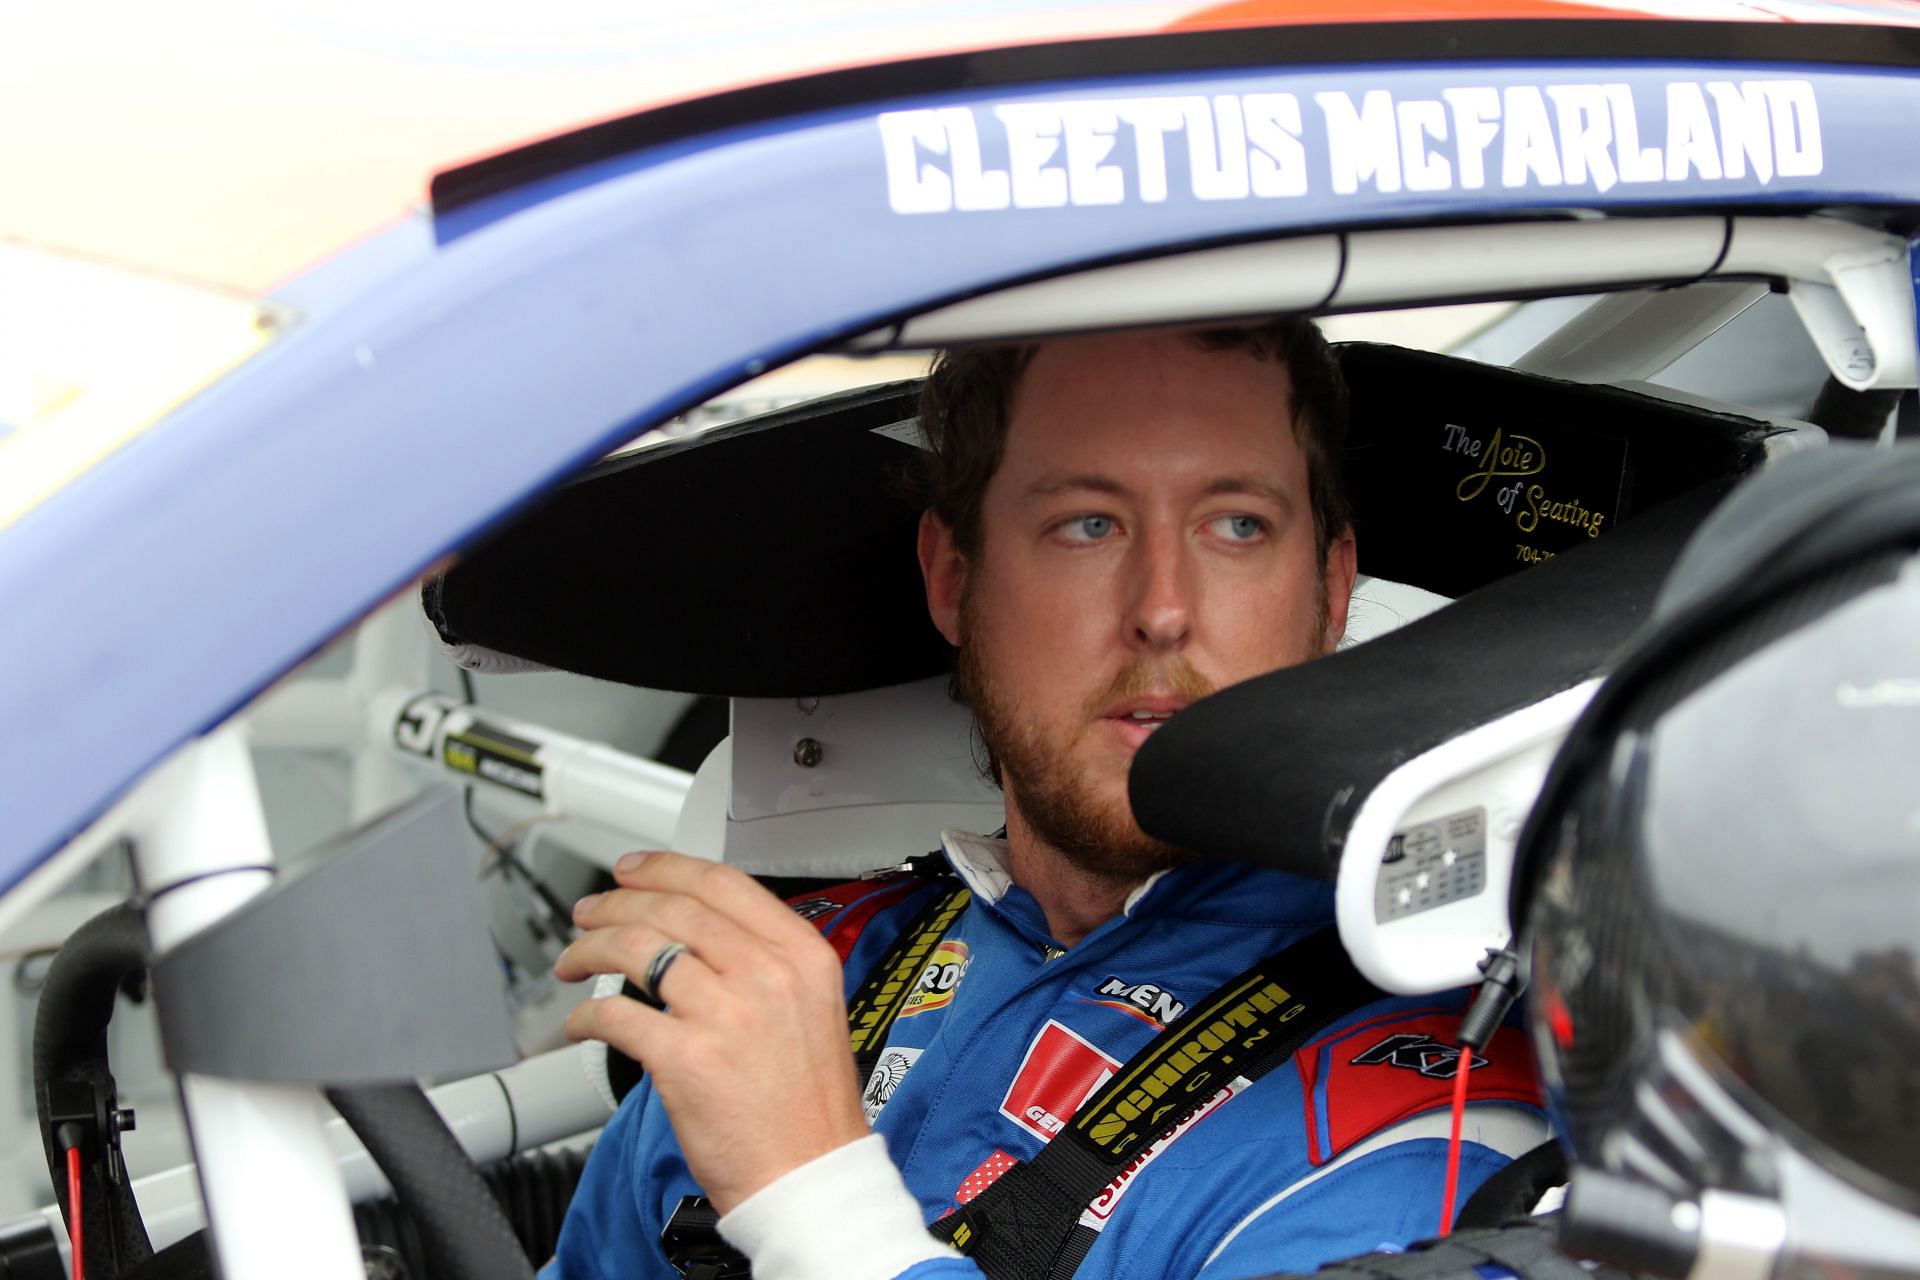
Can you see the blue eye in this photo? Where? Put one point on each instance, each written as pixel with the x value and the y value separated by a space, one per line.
pixel 1088 528
pixel 1240 528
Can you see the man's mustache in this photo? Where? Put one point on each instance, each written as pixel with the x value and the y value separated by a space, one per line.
pixel 1141 678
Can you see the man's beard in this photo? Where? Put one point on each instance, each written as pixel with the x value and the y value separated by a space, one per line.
pixel 1056 799
pixel 1057 802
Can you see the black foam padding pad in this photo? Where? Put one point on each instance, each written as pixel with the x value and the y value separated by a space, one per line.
pixel 1267 771
pixel 769 558
pixel 775 557
pixel 1511 1193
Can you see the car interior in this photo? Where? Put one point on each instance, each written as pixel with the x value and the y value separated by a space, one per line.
pixel 715 640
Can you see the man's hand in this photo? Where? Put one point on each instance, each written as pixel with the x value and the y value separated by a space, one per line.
pixel 751 1056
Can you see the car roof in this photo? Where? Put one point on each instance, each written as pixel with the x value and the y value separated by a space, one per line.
pixel 259 140
pixel 562 297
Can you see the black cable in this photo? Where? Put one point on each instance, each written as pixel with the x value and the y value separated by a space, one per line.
pixel 513 1115
pixel 473 824
pixel 1498 990
pixel 487 841
pixel 540 913
pixel 560 915
pixel 143 901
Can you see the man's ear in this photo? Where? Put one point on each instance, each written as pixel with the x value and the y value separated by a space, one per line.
pixel 944 571
pixel 1343 561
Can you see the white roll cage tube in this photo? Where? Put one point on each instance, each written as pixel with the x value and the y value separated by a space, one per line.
pixel 276 1173
pixel 1852 285
pixel 530 770
pixel 384 714
pixel 276 1198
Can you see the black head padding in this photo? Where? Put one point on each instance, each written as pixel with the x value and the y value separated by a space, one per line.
pixel 1465 473
pixel 1268 771
pixel 775 557
pixel 771 558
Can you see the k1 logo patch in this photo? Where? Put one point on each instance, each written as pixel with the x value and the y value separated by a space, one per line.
pixel 1362 1080
pixel 814 908
pixel 1430 1057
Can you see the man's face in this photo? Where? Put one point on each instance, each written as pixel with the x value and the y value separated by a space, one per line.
pixel 1147 539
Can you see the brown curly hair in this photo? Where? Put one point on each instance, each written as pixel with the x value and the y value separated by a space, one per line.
pixel 966 398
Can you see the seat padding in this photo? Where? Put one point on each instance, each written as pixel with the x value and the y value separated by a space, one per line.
pixel 775 557
pixel 768 558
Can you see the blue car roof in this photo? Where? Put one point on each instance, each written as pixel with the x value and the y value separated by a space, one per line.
pixel 559 300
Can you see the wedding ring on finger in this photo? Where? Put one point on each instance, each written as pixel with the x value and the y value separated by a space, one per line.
pixel 656 970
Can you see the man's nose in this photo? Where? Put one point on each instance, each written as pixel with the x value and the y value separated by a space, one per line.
pixel 1162 605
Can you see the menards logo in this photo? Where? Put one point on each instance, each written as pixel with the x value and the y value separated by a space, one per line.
pixel 939 980
pixel 1148 1001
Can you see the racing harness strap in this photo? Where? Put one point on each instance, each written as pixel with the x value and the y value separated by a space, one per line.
pixel 871 1014
pixel 1026 1226
pixel 691 1238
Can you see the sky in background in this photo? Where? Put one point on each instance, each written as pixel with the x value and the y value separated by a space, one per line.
pixel 235 142
pixel 182 160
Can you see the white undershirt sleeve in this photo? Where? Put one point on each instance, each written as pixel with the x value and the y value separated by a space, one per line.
pixel 846 1215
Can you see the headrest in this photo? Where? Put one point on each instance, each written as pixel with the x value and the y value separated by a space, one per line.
pixel 1273 769
pixel 1463 474
pixel 770 558
pixel 775 557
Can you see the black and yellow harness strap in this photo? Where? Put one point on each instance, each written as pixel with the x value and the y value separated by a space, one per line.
pixel 691 1238
pixel 1026 1226
pixel 871 1014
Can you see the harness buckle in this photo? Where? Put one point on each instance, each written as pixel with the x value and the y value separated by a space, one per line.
pixel 692 1243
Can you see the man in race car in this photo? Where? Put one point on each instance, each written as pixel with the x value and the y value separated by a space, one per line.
pixel 1116 525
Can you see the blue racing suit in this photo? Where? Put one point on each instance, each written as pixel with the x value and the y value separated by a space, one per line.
pixel 1341 1152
